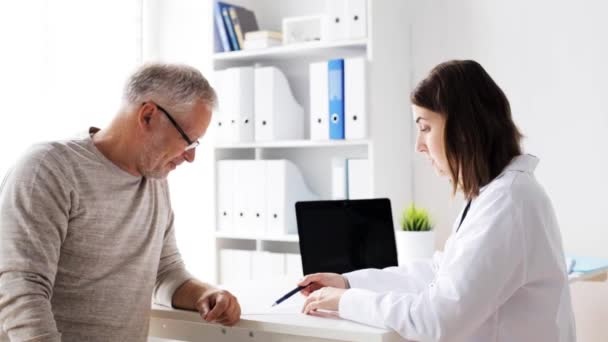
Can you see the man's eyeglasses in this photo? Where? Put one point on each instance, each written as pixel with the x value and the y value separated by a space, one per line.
pixel 191 144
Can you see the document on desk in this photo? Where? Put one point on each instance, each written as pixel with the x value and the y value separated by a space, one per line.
pixel 290 306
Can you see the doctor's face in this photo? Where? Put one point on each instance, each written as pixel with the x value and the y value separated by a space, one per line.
pixel 430 139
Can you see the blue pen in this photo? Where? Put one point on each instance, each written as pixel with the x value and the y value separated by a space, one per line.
pixel 289 294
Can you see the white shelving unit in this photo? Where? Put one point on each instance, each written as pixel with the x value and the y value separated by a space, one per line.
pixel 389 142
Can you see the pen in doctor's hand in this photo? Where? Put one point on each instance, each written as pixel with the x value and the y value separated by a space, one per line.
pixel 289 294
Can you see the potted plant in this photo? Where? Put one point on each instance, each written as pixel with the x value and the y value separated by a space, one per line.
pixel 416 239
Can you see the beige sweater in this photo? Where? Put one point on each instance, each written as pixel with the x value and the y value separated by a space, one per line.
pixel 83 247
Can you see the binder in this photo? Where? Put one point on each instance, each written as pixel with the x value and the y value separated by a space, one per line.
pixel 238 85
pixel 319 110
pixel 220 119
pixel 355 103
pixel 359 179
pixel 285 186
pixel 334 20
pixel 220 27
pixel 225 189
pixel 256 195
pixel 336 98
pixel 278 116
pixel 339 180
pixel 242 210
pixel 243 21
pixel 356 17
pixel 234 44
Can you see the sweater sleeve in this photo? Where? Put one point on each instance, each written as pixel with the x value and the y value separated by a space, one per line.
pixel 35 204
pixel 171 270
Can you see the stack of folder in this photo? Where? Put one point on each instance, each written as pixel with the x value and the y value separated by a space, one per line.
pixel 237 266
pixel 257 197
pixel 338 106
pixel 232 24
pixel 345 19
pixel 256 104
pixel 262 39
pixel 585 264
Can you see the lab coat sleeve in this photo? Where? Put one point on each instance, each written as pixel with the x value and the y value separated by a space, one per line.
pixel 411 277
pixel 481 268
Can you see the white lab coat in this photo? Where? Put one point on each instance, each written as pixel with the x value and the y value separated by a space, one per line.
pixel 501 277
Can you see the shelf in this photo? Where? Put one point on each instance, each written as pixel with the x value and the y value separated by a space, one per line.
pixel 295 144
pixel 301 50
pixel 240 236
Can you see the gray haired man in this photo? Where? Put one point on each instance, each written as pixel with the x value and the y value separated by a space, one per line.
pixel 86 225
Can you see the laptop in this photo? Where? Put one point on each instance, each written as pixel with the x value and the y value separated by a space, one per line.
pixel 346 235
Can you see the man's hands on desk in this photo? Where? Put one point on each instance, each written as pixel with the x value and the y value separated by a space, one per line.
pixel 214 305
pixel 323 291
pixel 220 306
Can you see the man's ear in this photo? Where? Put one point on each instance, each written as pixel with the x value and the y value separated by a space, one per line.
pixel 145 114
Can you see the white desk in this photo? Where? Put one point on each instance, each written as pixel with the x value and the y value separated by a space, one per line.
pixel 283 323
pixel 259 323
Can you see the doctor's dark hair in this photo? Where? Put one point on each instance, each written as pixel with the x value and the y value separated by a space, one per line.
pixel 480 135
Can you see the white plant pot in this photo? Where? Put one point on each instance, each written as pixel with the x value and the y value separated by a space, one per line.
pixel 414 245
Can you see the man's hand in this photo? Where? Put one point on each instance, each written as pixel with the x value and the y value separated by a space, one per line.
pixel 219 306
pixel 213 304
pixel 327 298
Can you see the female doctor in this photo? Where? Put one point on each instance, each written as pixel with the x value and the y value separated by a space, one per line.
pixel 502 275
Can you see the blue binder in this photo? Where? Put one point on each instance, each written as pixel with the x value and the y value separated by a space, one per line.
pixel 335 86
pixel 220 26
pixel 231 34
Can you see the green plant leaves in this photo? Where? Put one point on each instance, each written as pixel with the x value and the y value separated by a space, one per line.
pixel 415 220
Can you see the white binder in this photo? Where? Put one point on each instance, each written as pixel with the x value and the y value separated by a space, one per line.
pixel 221 119
pixel 335 25
pixel 285 187
pixel 359 179
pixel 225 189
pixel 249 196
pixel 355 103
pixel 256 195
pixel 356 17
pixel 319 101
pixel 237 102
pixel 241 194
pixel 277 114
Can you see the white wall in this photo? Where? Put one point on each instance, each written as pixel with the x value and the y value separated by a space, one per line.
pixel 550 58
pixel 180 32
pixel 62 68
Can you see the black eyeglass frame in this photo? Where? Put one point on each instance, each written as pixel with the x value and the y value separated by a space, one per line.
pixel 191 144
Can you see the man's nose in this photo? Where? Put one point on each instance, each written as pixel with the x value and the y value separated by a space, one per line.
pixel 190 155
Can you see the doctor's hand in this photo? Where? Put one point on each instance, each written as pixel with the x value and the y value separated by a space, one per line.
pixel 316 281
pixel 327 298
pixel 219 306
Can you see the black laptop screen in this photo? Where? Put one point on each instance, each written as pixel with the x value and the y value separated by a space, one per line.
pixel 344 236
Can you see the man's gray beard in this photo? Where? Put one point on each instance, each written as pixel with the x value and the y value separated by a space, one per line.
pixel 146 159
